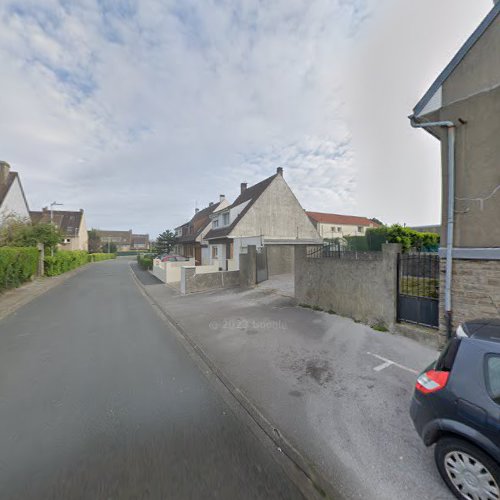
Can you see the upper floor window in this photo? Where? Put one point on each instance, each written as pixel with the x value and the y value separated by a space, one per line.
pixel 361 229
pixel 225 219
pixel 215 223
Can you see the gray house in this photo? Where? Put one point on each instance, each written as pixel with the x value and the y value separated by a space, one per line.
pixel 462 110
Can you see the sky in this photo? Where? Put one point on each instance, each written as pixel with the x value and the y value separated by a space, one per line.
pixel 140 111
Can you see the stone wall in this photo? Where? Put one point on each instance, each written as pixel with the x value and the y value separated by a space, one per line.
pixel 365 290
pixel 248 267
pixel 475 291
pixel 192 282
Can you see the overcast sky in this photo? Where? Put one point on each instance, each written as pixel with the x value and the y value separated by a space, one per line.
pixel 138 110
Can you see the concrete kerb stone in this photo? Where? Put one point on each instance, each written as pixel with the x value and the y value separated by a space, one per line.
pixel 320 488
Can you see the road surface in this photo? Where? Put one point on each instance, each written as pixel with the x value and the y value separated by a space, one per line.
pixel 99 400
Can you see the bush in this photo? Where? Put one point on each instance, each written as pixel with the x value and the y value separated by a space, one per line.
pixel 96 257
pixel 65 260
pixel 408 238
pixel 17 265
pixel 145 261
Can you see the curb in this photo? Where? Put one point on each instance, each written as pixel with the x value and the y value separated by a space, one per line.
pixel 320 488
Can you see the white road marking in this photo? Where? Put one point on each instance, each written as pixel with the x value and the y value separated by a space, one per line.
pixel 379 368
pixel 387 362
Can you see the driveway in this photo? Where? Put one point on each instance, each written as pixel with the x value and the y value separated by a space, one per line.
pixel 339 391
pixel 100 400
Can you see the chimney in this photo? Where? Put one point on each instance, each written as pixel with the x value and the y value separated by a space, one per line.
pixel 196 210
pixel 243 186
pixel 222 197
pixel 211 203
pixel 4 172
pixel 45 209
pixel 279 171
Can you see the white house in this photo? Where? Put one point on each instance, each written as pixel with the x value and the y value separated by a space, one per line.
pixel 12 198
pixel 331 226
pixel 266 214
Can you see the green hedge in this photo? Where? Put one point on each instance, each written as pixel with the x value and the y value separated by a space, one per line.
pixel 17 265
pixel 96 257
pixel 65 260
pixel 145 261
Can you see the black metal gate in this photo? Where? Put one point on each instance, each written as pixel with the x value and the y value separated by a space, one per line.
pixel 418 288
pixel 261 264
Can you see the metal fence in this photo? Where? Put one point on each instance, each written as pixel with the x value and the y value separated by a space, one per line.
pixel 334 251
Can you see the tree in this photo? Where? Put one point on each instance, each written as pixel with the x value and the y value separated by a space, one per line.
pixel 94 241
pixel 17 232
pixel 165 242
pixel 109 247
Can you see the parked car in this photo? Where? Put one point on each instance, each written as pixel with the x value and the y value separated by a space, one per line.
pixel 173 258
pixel 456 406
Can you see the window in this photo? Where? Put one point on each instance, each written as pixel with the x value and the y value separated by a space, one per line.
pixel 339 229
pixel 493 377
pixel 225 219
pixel 215 252
pixel 361 229
pixel 333 229
pixel 215 223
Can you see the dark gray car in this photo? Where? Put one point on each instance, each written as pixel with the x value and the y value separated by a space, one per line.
pixel 456 406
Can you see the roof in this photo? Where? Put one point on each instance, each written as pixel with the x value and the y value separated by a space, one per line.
pixel 68 222
pixel 140 239
pixel 4 188
pixel 198 223
pixel 478 33
pixel 250 194
pixel 116 236
pixel 350 220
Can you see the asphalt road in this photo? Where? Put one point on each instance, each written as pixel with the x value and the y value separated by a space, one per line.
pixel 99 400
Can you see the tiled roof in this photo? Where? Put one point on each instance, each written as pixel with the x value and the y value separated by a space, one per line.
pixel 198 223
pixel 252 193
pixel 349 220
pixel 140 239
pixel 68 222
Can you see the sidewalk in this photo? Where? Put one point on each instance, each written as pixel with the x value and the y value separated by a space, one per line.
pixel 337 390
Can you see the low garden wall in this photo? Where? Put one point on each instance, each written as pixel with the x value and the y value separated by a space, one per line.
pixel 356 285
pixel 192 281
pixel 169 272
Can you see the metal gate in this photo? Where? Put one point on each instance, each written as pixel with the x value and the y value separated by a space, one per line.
pixel 261 264
pixel 418 289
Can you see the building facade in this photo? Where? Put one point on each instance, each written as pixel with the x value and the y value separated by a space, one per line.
pixel 13 201
pixel 333 226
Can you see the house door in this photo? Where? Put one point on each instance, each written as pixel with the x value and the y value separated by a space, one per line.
pixel 261 264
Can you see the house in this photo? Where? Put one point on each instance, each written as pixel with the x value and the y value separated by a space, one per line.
pixel 462 109
pixel 331 226
pixel 191 235
pixel 71 224
pixel 12 198
pixel 140 242
pixel 266 214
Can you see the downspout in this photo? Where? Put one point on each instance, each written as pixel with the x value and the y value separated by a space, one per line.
pixel 451 213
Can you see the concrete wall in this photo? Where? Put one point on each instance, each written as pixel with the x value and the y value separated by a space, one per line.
pixel 475 291
pixel 192 282
pixel 169 272
pixel 248 267
pixel 280 259
pixel 365 290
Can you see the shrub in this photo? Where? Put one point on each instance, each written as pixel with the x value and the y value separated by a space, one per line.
pixel 145 261
pixel 65 260
pixel 408 238
pixel 96 257
pixel 17 265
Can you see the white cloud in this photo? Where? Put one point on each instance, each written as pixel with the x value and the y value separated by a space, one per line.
pixel 135 110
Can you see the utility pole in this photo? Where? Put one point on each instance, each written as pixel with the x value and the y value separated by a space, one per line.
pixel 52 205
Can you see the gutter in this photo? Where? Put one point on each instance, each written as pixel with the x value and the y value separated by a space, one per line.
pixel 451 128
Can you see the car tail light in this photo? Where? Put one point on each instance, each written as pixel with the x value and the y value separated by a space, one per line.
pixel 432 381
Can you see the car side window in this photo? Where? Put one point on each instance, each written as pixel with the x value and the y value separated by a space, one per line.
pixel 493 377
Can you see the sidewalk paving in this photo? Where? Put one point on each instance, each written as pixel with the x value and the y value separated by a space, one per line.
pixel 337 390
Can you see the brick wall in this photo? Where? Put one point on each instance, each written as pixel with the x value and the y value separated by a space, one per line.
pixel 475 291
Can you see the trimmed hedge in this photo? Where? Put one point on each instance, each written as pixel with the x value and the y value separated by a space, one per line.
pixel 65 260
pixel 96 257
pixel 17 265
pixel 145 261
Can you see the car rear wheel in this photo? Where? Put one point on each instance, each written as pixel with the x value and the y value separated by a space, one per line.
pixel 469 472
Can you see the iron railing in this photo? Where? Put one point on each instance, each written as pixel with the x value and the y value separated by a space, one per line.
pixel 333 251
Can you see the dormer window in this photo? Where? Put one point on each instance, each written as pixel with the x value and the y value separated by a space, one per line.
pixel 225 219
pixel 215 223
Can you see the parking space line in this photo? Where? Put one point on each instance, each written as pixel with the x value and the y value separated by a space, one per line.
pixel 387 362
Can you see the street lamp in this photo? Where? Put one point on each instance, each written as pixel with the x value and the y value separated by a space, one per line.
pixel 53 204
